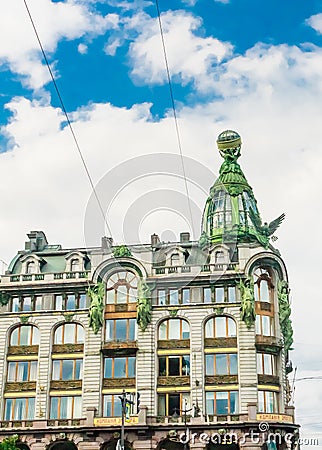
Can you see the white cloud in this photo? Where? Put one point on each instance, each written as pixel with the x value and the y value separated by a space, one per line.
pixel 315 22
pixel 190 57
pixel 82 48
pixel 54 21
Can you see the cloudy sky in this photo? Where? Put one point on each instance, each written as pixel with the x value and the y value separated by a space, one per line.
pixel 249 65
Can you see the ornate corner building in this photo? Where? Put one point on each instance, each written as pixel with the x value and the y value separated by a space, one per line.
pixel 197 332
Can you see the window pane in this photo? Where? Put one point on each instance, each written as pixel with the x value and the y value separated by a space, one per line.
pixel 26 305
pixel 264 291
pixel 232 294
pixel 82 301
pixel 233 364
pixel 35 336
pixel 174 404
pixel 261 405
pixel 38 303
pixel 220 326
pixel 80 334
pixel 174 328
pixel 132 329
pixel 174 366
pixel 56 370
pixel 31 409
pixel 117 406
pixel 266 325
pixel 54 408
pixel 20 409
pixel 14 337
pixel 11 376
pixel 207 295
pixel 221 402
pixel 162 366
pixel 110 298
pixel 8 409
pixel 268 364
pixel 107 406
pixel 131 366
pixel 210 365
pixel 67 369
pixel 15 304
pixel 231 327
pixel 258 324
pixel 221 364
pixel 71 301
pixel 161 298
pixel 234 402
pixel 185 365
pixel 58 302
pixel 174 296
pixel 121 294
pixel 210 328
pixel 220 294
pixel 108 368
pixel 210 404
pixel 77 407
pixel 69 336
pixel 25 335
pixel 260 363
pixel 269 402
pixel 161 405
pixel 59 335
pixel 22 374
pixel 119 367
pixel 120 329
pixel 185 295
pixel 109 327
pixel 163 330
pixel 185 330
pixel 78 369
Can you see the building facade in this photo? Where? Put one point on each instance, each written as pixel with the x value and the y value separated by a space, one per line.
pixel 196 333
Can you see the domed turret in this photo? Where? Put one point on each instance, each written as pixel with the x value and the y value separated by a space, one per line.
pixel 231 213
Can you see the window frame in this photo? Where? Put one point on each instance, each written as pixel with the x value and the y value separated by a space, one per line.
pixel 166 296
pixel 59 405
pixel 78 327
pixel 74 369
pixel 214 399
pixel 181 365
pixel 128 330
pixel 13 407
pixel 227 335
pixel 31 337
pixel 127 365
pixel 16 371
pixel 228 357
pixel 167 331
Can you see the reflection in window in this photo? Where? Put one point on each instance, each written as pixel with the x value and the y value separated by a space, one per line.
pixel 220 327
pixel 174 365
pixel 169 404
pixel 120 330
pixel 174 329
pixel 19 408
pixel 67 369
pixel 25 335
pixel 121 287
pixel 69 407
pixel 69 333
pixel 120 367
pixel 222 403
pixel 263 286
pixel 266 364
pixel 22 371
pixel 221 364
pixel 267 402
pixel 264 325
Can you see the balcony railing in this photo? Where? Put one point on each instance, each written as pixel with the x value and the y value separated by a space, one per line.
pixel 219 267
pixel 46 277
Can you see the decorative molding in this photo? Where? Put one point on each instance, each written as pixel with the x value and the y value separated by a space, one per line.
pixel 174 381
pixel 174 343
pixel 68 348
pixel 23 350
pixel 221 379
pixel 230 342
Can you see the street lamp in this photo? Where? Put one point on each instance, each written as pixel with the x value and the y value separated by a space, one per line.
pixel 125 402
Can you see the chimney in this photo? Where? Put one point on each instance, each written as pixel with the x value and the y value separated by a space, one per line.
pixel 37 241
pixel 155 240
pixel 185 236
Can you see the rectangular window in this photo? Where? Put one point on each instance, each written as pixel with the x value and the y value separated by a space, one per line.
pixel 120 367
pixel 219 295
pixel 221 364
pixel 161 297
pixel 174 296
pixel 15 304
pixel 266 364
pixel 174 365
pixel 222 402
pixel 169 404
pixel 19 408
pixel 66 407
pixel 67 369
pixel 207 295
pixel 26 304
pixel 185 296
pixel 267 402
pixel 112 405
pixel 22 371
pixel 231 294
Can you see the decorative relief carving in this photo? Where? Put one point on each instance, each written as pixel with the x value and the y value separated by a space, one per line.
pixel 222 379
pixel 118 382
pixel 174 381
pixel 68 348
pixel 23 350
pixel 174 343
pixel 221 342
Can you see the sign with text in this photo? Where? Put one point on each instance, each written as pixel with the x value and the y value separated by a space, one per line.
pixel 110 421
pixel 263 417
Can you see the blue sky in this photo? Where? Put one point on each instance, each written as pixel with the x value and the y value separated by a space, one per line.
pixel 253 66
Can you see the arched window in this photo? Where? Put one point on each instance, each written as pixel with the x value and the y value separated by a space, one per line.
pixel 121 287
pixel 75 265
pixel 220 327
pixel 219 257
pixel 25 335
pixel 31 267
pixel 263 286
pixel 175 259
pixel 69 333
pixel 174 329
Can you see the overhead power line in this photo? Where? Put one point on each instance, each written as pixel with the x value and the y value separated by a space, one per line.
pixel 67 119
pixel 174 110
